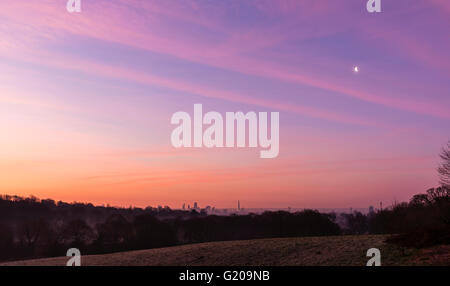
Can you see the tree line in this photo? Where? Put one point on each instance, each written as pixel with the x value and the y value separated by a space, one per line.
pixel 421 222
pixel 31 228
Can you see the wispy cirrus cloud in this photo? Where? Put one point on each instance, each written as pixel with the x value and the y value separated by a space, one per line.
pixel 228 49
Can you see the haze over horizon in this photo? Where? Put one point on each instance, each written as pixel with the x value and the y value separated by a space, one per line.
pixel 86 100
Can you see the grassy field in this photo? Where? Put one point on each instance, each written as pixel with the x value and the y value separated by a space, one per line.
pixel 307 251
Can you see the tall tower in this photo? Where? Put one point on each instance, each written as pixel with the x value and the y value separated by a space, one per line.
pixel 239 205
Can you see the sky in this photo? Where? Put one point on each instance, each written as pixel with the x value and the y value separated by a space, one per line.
pixel 86 100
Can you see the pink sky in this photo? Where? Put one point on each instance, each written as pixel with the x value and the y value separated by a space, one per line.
pixel 86 100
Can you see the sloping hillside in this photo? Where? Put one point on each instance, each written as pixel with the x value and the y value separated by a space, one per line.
pixel 331 250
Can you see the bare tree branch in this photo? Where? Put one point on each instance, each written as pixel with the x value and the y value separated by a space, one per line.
pixel 444 168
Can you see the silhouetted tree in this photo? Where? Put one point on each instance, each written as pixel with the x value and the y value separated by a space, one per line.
pixel 76 233
pixel 151 232
pixel 114 234
pixel 444 168
pixel 31 233
pixel 357 223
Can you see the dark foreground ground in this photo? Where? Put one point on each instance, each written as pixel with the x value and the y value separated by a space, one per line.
pixel 302 251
